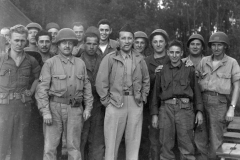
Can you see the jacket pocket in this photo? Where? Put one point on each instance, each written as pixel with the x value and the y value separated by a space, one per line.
pixel 224 82
pixel 79 82
pixel 59 83
pixel 5 77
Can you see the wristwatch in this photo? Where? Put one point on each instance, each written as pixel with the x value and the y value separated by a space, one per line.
pixel 233 106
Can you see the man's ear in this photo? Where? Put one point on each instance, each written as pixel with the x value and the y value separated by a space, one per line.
pixel 110 31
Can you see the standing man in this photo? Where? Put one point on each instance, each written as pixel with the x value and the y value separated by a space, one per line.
pixel 16 70
pixel 159 42
pixel 177 88
pixel 63 85
pixel 78 29
pixel 219 76
pixel 141 42
pixel 53 29
pixel 92 134
pixel 196 47
pixel 33 29
pixel 106 45
pixel 123 85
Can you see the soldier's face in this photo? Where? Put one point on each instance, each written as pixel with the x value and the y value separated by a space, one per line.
pixel 79 31
pixel 195 47
pixel 140 44
pixel 91 45
pixel 105 31
pixel 66 47
pixel 5 33
pixel 175 53
pixel 54 33
pixel 44 44
pixel 18 42
pixel 125 41
pixel 159 43
pixel 218 49
pixel 31 35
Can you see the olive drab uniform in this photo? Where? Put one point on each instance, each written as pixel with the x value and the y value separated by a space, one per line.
pixel 15 105
pixel 63 84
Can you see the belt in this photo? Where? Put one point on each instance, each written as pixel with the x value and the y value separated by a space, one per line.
pixel 67 101
pixel 15 96
pixel 127 93
pixel 212 93
pixel 176 100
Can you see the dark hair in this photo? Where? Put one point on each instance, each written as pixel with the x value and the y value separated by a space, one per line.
pixel 104 21
pixel 78 24
pixel 90 35
pixel 176 43
pixel 43 33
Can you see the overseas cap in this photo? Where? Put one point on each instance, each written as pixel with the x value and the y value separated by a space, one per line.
pixel 126 28
pixel 52 25
pixel 34 25
pixel 196 36
pixel 93 30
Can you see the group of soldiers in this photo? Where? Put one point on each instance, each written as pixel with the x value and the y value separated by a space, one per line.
pixel 93 91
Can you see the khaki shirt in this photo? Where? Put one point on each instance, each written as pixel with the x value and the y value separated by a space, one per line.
pixel 127 79
pixel 218 79
pixel 64 78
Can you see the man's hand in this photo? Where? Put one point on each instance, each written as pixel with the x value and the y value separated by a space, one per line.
pixel 155 121
pixel 86 115
pixel 199 118
pixel 230 114
pixel 159 68
pixel 47 119
pixel 28 93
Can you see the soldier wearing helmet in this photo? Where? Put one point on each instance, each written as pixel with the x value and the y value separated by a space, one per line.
pixel 141 42
pixel 63 85
pixel 53 28
pixel 33 29
pixel 219 76
pixel 158 41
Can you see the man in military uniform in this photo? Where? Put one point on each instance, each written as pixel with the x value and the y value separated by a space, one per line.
pixel 33 29
pixel 141 42
pixel 106 44
pixel 123 85
pixel 63 85
pixel 16 70
pixel 177 88
pixel 78 29
pixel 53 28
pixel 92 134
pixel 219 76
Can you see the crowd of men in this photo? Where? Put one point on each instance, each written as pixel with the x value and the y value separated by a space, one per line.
pixel 81 86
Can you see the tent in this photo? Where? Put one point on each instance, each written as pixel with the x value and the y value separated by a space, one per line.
pixel 10 15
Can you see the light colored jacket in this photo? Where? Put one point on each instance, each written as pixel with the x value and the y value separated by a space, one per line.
pixel 109 81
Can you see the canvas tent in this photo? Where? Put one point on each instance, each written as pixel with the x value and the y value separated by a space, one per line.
pixel 10 15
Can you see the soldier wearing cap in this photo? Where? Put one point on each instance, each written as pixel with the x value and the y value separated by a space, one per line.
pixel 78 29
pixel 196 47
pixel 141 42
pixel 106 45
pixel 92 134
pixel 123 85
pixel 159 42
pixel 33 29
pixel 16 70
pixel 177 88
pixel 63 85
pixel 219 76
pixel 53 28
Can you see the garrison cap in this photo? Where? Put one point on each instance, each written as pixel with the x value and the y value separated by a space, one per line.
pixel 126 28
pixel 34 25
pixel 52 25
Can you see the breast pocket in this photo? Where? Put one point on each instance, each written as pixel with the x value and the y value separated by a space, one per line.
pixel 79 82
pixel 59 83
pixel 224 82
pixel 5 77
pixel 24 76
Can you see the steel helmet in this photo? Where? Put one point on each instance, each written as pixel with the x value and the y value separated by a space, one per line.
pixel 93 30
pixel 218 37
pixel 34 25
pixel 196 36
pixel 66 34
pixel 159 32
pixel 140 34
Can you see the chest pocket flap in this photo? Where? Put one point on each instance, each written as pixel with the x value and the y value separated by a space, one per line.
pixel 80 77
pixel 60 76
pixel 224 75
pixel 3 72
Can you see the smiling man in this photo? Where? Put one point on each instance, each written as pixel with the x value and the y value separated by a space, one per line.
pixel 177 88
pixel 123 85
pixel 219 76
pixel 141 42
pixel 106 44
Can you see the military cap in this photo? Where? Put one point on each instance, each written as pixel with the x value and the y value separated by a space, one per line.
pixel 34 25
pixel 126 28
pixel 52 25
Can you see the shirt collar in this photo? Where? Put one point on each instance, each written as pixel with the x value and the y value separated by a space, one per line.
pixel 7 55
pixel 171 66
pixel 66 59
pixel 124 55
